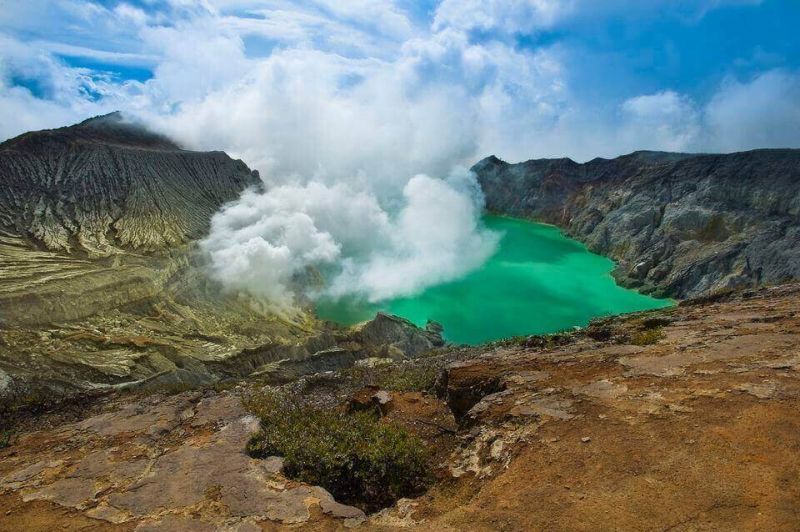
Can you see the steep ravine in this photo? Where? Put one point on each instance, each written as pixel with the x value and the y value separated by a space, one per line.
pixel 679 225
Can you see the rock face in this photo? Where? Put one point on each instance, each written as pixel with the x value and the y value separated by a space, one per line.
pixel 106 183
pixel 100 283
pixel 692 426
pixel 101 214
pixel 399 334
pixel 164 463
pixel 383 337
pixel 680 225
pixel 694 430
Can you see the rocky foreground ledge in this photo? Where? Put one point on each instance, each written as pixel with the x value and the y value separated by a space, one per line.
pixel 678 419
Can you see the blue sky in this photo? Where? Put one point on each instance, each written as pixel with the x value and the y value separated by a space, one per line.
pixel 299 87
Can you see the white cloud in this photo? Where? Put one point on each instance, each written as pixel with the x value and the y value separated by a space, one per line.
pixel 435 238
pixel 664 121
pixel 196 58
pixel 131 14
pixel 761 113
pixel 382 15
pixel 56 95
pixel 505 15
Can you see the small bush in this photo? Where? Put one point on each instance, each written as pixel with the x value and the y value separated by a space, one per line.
pixel 395 377
pixel 656 321
pixel 600 333
pixel 359 460
pixel 5 438
pixel 647 336
pixel 537 341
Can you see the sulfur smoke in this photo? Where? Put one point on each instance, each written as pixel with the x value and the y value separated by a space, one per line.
pixel 362 164
pixel 264 241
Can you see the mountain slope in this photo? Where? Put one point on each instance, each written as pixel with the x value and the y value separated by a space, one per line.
pixel 101 214
pixel 101 283
pixel 107 183
pixel 679 224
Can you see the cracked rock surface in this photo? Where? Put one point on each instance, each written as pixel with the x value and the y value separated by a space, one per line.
pixel 694 429
pixel 174 463
pixel 697 430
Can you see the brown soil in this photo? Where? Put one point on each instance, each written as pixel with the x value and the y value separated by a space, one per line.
pixel 697 429
pixel 696 432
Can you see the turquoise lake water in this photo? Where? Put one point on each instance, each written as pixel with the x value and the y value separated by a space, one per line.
pixel 538 282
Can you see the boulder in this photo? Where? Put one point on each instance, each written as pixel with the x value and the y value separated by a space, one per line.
pixel 385 332
pixel 370 398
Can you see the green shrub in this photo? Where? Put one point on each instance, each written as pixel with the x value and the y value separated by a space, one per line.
pixel 647 336
pixel 654 322
pixel 395 377
pixel 537 341
pixel 5 438
pixel 358 459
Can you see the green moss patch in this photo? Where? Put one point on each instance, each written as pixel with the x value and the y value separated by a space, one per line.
pixel 360 460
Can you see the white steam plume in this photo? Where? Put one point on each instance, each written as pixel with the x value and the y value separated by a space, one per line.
pixel 262 242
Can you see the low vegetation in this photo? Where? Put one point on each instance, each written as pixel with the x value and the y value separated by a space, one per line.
pixel 395 377
pixel 25 407
pixel 5 438
pixel 537 341
pixel 361 460
pixel 647 336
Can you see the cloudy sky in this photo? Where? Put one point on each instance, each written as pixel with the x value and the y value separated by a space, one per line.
pixel 311 79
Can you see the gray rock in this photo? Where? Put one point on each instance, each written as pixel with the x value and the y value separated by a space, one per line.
pixel 385 331
pixel 108 183
pixel 678 224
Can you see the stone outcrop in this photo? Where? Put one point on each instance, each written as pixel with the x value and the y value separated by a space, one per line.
pixel 679 225
pixel 386 335
pixel 165 464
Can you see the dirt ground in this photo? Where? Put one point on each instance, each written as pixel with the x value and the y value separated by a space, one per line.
pixel 698 431
pixel 679 419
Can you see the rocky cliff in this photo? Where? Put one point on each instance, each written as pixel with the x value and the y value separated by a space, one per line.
pixel 100 282
pixel 107 183
pixel 678 224
pixel 101 214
